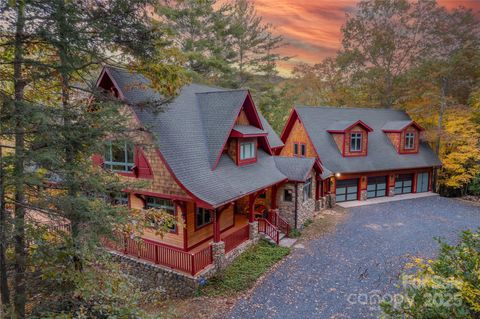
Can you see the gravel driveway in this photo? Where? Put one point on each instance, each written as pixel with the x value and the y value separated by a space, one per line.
pixel 332 276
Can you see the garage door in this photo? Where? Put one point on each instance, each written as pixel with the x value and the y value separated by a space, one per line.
pixel 403 184
pixel 422 182
pixel 377 186
pixel 347 190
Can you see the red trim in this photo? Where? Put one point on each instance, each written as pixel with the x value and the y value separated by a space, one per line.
pixel 412 123
pixel 197 200
pixel 292 117
pixel 250 160
pixel 250 109
pixel 403 139
pixel 361 141
pixel 141 161
pixel 105 71
pixel 211 237
pixel 167 196
pixel 151 241
pixel 236 133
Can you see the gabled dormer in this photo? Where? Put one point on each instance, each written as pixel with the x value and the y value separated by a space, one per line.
pixel 246 136
pixel 404 135
pixel 351 137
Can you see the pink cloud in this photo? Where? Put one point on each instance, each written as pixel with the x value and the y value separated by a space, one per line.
pixel 311 28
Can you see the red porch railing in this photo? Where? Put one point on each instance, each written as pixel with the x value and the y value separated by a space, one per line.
pixel 264 226
pixel 276 220
pixel 233 240
pixel 163 255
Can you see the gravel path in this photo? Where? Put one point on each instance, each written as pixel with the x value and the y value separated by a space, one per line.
pixel 332 276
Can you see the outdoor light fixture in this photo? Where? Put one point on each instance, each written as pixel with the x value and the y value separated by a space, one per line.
pixel 337 174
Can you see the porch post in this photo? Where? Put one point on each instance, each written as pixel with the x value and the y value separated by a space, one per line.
pixel 274 197
pixel 216 226
pixel 251 208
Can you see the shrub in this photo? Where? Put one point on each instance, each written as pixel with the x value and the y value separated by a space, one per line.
pixel 474 187
pixel 447 287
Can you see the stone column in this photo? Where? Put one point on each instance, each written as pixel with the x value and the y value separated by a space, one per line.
pixel 391 191
pixel 253 231
pixel 363 194
pixel 218 254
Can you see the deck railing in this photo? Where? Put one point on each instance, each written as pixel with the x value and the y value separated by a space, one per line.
pixel 278 221
pixel 264 226
pixel 234 239
pixel 161 254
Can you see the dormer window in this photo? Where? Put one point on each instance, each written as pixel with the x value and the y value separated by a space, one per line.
pixel 410 141
pixel 356 142
pixel 119 156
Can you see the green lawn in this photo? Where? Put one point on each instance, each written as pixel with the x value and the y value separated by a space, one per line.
pixel 245 270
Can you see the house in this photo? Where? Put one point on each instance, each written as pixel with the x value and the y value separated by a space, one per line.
pixel 364 153
pixel 207 157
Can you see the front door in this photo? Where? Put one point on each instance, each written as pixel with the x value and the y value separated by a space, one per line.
pixel 347 190
pixel 403 184
pixel 422 182
pixel 377 186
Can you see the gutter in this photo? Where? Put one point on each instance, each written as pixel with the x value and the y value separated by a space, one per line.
pixel 296 205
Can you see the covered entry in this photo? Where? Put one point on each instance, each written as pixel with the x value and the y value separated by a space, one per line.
pixel 377 186
pixel 403 184
pixel 347 190
pixel 422 182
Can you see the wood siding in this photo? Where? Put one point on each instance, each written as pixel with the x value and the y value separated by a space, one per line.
pixel 242 119
pixel 173 239
pixel 364 151
pixel 298 134
pixel 206 232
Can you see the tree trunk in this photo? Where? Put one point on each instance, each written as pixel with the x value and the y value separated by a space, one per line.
pixel 4 291
pixel 18 168
pixel 441 112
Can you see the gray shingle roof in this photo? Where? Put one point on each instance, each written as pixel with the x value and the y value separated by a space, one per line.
pixel 341 125
pixel 248 129
pixel 396 125
pixel 190 132
pixel 273 138
pixel 381 153
pixel 295 168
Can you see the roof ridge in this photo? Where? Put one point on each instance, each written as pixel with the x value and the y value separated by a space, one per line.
pixel 346 108
pixel 221 90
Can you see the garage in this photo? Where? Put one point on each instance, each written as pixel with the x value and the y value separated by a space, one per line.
pixel 347 190
pixel 403 184
pixel 422 182
pixel 377 186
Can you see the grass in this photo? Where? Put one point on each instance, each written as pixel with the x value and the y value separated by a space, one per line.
pixel 245 270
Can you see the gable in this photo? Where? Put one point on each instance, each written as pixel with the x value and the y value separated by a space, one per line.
pixel 297 135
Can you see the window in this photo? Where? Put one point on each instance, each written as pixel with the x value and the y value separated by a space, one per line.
pixel 120 199
pixel 247 150
pixel 119 156
pixel 295 148
pixel 410 141
pixel 303 149
pixel 307 190
pixel 263 195
pixel 355 142
pixel 287 195
pixel 203 217
pixel 161 203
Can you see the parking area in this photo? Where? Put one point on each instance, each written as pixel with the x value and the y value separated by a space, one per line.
pixel 329 277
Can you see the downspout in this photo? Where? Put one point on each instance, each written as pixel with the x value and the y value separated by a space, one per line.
pixel 296 204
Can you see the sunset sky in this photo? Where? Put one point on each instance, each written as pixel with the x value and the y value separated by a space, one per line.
pixel 312 27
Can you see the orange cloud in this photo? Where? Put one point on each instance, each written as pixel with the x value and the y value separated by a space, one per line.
pixel 311 28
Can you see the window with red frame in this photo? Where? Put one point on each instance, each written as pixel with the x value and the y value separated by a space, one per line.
pixel 356 142
pixel 247 150
pixel 203 217
pixel 295 148
pixel 410 141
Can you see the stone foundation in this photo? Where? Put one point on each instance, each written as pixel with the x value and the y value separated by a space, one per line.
pixel 253 231
pixel 148 276
pixel 218 255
